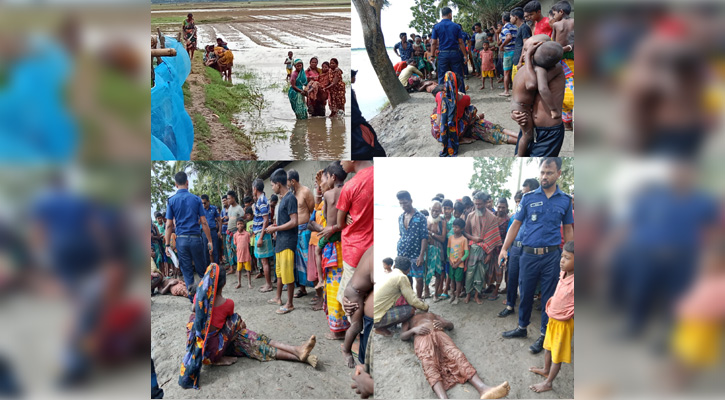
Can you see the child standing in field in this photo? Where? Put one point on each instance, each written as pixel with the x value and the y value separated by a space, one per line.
pixel 288 64
pixel 457 254
pixel 244 259
pixel 560 329
pixel 488 67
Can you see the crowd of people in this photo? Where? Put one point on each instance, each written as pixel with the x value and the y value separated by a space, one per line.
pixel 315 87
pixel 302 239
pixel 523 42
pixel 466 250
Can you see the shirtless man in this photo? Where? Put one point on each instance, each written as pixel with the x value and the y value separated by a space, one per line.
pixel 541 73
pixel 549 130
pixel 358 289
pixel 444 364
pixel 363 381
pixel 563 33
pixel 305 206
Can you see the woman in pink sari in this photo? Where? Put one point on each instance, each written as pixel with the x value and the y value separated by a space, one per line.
pixel 316 94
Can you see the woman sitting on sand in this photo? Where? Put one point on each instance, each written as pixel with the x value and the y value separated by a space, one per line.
pixel 464 124
pixel 336 89
pixel 218 335
pixel 316 95
pixel 225 61
pixel 296 92
pixel 189 29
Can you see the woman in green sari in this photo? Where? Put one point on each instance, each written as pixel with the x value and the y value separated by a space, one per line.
pixel 297 92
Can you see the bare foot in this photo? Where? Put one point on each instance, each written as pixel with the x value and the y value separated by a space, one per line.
pixel 305 349
pixel 238 286
pixel 249 285
pixel 312 360
pixel 466 140
pixel 497 392
pixel 455 301
pixel 541 387
pixel 335 335
pixel 226 361
pixel 275 301
pixel 349 359
pixel 467 299
pixel 320 285
pixel 478 300
pixel 453 298
pixel 259 275
pixel 540 371
pixel 437 299
pixel 384 332
pixel 482 87
pixel 317 306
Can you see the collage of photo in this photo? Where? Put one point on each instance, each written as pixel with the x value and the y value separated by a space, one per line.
pixel 269 123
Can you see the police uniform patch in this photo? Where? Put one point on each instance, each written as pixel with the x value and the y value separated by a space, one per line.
pixel 538 203
pixel 534 217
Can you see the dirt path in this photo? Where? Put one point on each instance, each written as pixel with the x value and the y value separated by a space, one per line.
pixel 405 130
pixel 250 378
pixel 220 141
pixel 477 332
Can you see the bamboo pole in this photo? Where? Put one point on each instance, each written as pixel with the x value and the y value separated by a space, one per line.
pixel 163 52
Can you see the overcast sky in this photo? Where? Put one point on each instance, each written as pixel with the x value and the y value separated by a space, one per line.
pixel 394 19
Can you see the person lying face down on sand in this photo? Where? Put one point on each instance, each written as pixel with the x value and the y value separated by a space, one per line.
pixel 217 335
pixel 444 364
pixel 541 73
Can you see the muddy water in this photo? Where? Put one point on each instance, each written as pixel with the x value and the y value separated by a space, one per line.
pixel 261 48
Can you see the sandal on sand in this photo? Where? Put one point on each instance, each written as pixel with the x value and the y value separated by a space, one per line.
pixel 300 294
pixel 284 310
pixel 263 290
pixel 491 298
pixel 273 301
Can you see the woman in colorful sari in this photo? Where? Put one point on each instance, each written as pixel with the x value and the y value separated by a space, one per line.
pixel 336 89
pixel 296 92
pixel 470 126
pixel 225 60
pixel 217 335
pixel 189 29
pixel 316 95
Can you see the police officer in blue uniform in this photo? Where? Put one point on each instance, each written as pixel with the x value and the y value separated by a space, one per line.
pixel 448 38
pixel 512 284
pixel 214 220
pixel 183 214
pixel 545 210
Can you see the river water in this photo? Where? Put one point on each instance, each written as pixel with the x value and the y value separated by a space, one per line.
pixel 369 92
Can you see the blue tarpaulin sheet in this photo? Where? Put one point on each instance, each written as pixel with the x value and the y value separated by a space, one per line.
pixel 172 132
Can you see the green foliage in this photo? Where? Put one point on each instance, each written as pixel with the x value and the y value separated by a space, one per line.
pixel 425 15
pixel 487 12
pixel 566 180
pixel 490 175
pixel 217 177
pixel 162 183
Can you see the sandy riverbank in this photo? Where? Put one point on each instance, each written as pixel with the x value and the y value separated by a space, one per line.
pixel 250 378
pixel 477 332
pixel 405 130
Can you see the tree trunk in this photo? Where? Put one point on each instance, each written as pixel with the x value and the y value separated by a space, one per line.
pixel 369 12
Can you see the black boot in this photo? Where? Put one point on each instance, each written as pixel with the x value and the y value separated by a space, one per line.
pixel 506 312
pixel 538 345
pixel 516 333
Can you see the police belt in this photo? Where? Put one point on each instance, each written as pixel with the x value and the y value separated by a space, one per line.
pixel 190 236
pixel 450 51
pixel 540 250
pixel 518 244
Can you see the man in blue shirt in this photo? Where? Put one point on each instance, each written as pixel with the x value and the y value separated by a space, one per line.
pixel 183 214
pixel 404 48
pixel 545 210
pixel 224 219
pixel 214 220
pixel 447 37
pixel 512 282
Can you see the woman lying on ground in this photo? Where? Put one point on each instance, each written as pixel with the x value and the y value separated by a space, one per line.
pixel 460 120
pixel 217 335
